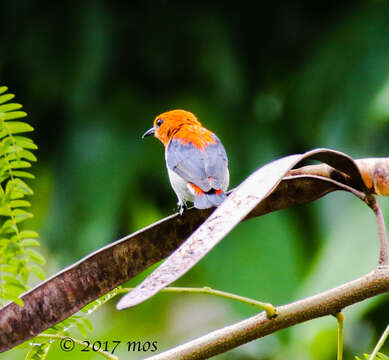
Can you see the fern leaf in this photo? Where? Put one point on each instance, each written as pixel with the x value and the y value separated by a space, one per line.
pixel 14 127
pixel 5 98
pixel 17 259
pixel 10 107
pixel 14 115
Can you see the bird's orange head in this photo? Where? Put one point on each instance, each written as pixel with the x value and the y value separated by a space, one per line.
pixel 176 122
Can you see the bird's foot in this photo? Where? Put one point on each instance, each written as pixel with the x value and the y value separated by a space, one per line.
pixel 182 207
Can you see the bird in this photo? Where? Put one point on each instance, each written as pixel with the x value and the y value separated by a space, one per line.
pixel 196 160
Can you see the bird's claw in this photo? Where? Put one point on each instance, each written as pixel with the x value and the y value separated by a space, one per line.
pixel 181 208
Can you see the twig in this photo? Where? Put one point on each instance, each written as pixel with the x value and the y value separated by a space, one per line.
pixel 372 202
pixel 340 319
pixel 325 303
pixel 380 343
pixel 269 308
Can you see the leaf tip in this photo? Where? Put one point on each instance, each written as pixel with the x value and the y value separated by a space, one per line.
pixel 124 303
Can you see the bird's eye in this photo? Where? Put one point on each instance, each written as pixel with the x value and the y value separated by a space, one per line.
pixel 159 122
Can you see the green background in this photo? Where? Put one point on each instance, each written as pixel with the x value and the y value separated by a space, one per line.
pixel 270 80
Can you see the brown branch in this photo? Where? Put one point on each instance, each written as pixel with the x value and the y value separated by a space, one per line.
pixel 326 303
pixel 242 200
pixel 93 276
pixel 374 171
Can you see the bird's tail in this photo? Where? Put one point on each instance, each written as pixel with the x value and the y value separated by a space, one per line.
pixel 209 199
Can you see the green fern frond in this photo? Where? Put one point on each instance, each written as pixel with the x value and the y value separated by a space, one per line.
pixel 17 259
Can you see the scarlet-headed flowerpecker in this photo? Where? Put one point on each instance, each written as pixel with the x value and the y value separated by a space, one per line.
pixel 196 160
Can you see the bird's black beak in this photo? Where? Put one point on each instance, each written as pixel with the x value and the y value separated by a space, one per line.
pixel 148 132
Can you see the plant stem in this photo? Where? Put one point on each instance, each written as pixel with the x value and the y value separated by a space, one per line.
pixel 383 237
pixel 267 307
pixel 340 319
pixel 380 343
pixel 78 342
pixel 326 303
pixel 372 202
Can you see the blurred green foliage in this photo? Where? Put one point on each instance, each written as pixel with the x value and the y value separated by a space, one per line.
pixel 270 80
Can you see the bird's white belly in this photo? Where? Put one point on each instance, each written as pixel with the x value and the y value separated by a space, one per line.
pixel 180 186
